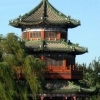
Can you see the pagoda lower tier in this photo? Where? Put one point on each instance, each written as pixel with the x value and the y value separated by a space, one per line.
pixel 65 90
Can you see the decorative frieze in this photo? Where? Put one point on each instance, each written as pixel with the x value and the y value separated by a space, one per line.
pixel 46 29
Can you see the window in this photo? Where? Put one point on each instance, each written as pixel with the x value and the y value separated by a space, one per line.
pixel 54 61
pixel 50 35
pixel 35 34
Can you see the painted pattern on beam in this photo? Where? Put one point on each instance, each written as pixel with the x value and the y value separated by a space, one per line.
pixel 46 29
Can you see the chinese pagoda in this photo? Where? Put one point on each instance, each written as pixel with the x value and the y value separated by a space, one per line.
pixel 45 30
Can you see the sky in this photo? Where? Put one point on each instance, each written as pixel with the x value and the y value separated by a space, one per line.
pixel 87 11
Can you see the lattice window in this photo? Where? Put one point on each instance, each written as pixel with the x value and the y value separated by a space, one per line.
pixel 50 35
pixel 54 61
pixel 35 34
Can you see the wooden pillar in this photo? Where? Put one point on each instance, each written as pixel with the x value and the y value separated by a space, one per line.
pixel 42 97
pixel 27 34
pixel 67 36
pixel 64 63
pixel 42 57
pixel 43 34
pixel 59 36
pixel 66 97
pixel 74 98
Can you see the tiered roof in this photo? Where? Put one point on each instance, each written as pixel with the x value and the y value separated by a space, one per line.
pixel 57 46
pixel 64 86
pixel 46 14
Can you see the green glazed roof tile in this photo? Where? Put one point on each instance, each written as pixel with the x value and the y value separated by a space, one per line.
pixel 58 46
pixel 64 86
pixel 44 13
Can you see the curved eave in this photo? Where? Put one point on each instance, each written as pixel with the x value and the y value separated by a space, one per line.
pixel 20 24
pixel 88 89
pixel 67 50
pixel 14 24
pixel 54 47
pixel 72 90
pixel 66 23
pixel 81 50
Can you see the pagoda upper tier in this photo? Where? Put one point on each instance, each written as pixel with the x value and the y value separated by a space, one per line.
pixel 44 15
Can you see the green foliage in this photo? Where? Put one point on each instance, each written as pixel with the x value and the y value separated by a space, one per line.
pixel 13 46
pixel 91 77
pixel 13 55
pixel 6 82
pixel 34 70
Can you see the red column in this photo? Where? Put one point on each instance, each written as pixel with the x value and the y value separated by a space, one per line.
pixel 43 34
pixel 28 35
pixel 66 97
pixel 42 57
pixel 59 36
pixel 64 63
pixel 74 98
pixel 42 97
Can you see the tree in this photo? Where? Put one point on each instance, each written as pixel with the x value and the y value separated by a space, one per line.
pixel 91 77
pixel 34 70
pixel 16 60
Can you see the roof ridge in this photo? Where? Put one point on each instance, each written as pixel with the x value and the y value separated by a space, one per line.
pixel 58 12
pixel 34 9
pixel 44 8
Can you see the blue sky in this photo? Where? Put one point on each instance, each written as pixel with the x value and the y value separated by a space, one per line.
pixel 87 11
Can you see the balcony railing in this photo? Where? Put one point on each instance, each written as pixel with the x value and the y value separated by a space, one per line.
pixel 69 72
